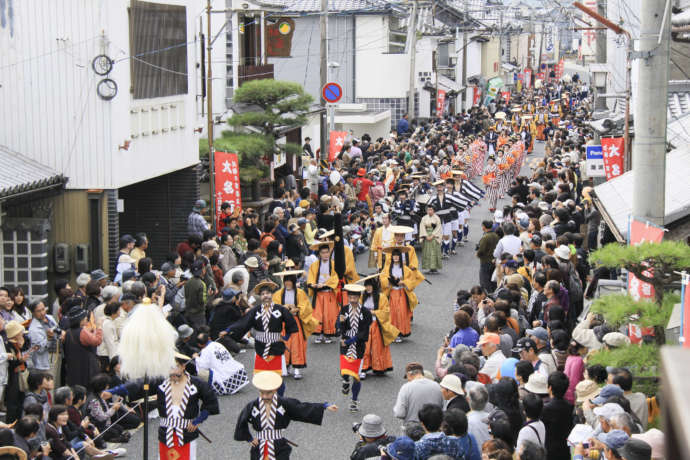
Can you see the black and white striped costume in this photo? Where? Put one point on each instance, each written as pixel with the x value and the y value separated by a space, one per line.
pixel 270 424
pixel 471 190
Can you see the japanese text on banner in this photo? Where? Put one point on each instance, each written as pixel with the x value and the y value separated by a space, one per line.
pixel 336 144
pixel 227 172
pixel 613 151
pixel 641 232
pixel 440 102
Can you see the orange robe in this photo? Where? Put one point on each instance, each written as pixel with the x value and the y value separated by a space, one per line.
pixel 402 301
pixel 296 346
pixel 382 333
pixel 323 301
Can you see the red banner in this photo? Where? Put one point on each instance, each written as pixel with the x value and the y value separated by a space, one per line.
pixel 440 102
pixel 476 95
pixel 528 78
pixel 641 232
pixel 506 96
pixel 227 172
pixel 541 76
pixel 337 140
pixel 559 69
pixel 613 151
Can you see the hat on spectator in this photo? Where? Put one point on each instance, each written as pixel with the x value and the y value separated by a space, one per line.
pixel 498 216
pixel 606 392
pixel 199 205
pixel 614 439
pixel 489 337
pixel 128 275
pixel 543 205
pixel 562 252
pixel 608 410
pixel 586 390
pixel 197 267
pixel 98 275
pixel 536 240
pixel 304 204
pixel 538 332
pixel 655 438
pixel 83 279
pixel 452 383
pixel 403 448
pixel 616 339
pixel 75 315
pixel 524 343
pixel 252 262
pixel 209 245
pixel 14 328
pixel 371 426
pixel 229 293
pixel 184 331
pixel 301 221
pixel 635 449
pixel 167 267
pixel 361 172
pixel 537 383
pixel 515 278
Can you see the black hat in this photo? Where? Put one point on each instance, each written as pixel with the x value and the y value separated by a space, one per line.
pixel 75 316
pixel 197 267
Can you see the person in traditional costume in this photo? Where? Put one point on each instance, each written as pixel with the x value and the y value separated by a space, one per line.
pixel 382 238
pixel 491 139
pixel 444 210
pixel 541 120
pixel 377 355
pixel 354 323
pixel 398 284
pixel 503 172
pixel 184 402
pixel 322 282
pixel 226 375
pixel 492 182
pixel 351 275
pixel 269 416
pixel 431 234
pixel 271 325
pixel 403 210
pixel 297 301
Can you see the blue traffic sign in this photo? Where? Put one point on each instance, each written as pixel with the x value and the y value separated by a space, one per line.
pixel 332 92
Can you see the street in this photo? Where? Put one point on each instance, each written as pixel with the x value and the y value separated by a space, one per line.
pixel 432 320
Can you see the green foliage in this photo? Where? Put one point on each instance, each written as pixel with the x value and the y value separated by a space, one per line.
pixel 620 309
pixel 642 361
pixel 203 148
pixel 283 104
pixel 251 149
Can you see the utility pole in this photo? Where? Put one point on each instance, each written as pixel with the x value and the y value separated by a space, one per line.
pixel 412 49
pixel 600 102
pixel 541 47
pixel 464 58
pixel 323 68
pixel 651 101
pixel 209 116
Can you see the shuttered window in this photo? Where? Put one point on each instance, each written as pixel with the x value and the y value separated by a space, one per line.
pixel 158 49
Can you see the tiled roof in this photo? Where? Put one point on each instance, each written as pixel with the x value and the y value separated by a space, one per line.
pixel 308 6
pixel 20 174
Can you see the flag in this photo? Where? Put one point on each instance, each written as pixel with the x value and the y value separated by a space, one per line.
pixel 440 102
pixel 640 232
pixel 613 151
pixel 506 96
pixel 227 181
pixel 476 95
pixel 337 141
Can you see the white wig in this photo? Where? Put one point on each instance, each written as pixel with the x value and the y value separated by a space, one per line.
pixel 147 345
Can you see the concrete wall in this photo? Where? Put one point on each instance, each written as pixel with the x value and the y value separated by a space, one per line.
pixel 628 10
pixel 49 108
pixel 491 59
pixel 303 64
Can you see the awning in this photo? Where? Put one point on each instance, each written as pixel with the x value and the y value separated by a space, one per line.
pixel 448 84
pixel 614 198
pixel 20 175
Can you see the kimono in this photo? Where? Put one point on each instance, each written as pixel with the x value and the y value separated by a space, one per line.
pixel 377 355
pixel 323 300
pixel 267 327
pixel 403 210
pixel 431 249
pixel 296 352
pixel 226 376
pixel 401 296
pixel 198 402
pixel 409 259
pixel 270 423
pixel 382 238
pixel 493 185
pixel 541 120
pixel 354 331
pixel 504 175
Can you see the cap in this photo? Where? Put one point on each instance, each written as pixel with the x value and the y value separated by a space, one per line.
pixel 229 293
pixel 524 343
pixel 607 392
pixel 538 332
pixel 537 383
pixel 635 449
pixel 199 205
pixel 372 426
pixel 197 267
pixel 301 221
pixel 403 448
pixel 614 439
pixel 267 380
pixel 361 172
pixel 489 337
pixel 453 383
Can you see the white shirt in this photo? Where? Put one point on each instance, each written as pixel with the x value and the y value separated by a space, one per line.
pixel 510 244
pixel 529 434
pixel 493 364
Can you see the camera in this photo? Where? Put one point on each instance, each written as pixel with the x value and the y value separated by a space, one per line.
pixel 57 330
pixel 355 427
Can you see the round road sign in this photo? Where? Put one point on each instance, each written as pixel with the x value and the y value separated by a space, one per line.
pixel 332 92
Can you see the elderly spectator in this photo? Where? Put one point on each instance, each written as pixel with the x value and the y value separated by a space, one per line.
pixel 417 392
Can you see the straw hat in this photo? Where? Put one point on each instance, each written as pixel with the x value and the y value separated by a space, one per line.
pixel 316 245
pixel 500 116
pixel 267 381
pixel 266 284
pixel 13 329
pixel 439 182
pixel 401 229
pixel 179 356
pixel 354 288
pixel 366 278
pixel 289 273
pixel 323 233
pixel 390 249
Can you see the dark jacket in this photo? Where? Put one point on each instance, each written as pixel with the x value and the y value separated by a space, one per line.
pixel 370 450
pixel 195 296
pixel 459 402
pixel 487 245
pixel 224 315
pixel 558 418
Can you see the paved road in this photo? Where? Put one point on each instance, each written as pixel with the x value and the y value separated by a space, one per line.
pixel 321 382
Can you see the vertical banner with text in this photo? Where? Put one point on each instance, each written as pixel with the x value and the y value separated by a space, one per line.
pixel 506 96
pixel 440 102
pixel 337 140
pixel 613 150
pixel 227 171
pixel 476 95
pixel 528 78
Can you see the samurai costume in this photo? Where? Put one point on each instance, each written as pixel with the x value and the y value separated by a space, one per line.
pixel 444 210
pixel 377 355
pixel 431 249
pixel 270 422
pixel 398 284
pixel 267 325
pixel 354 324
pixel 197 403
pixel 226 376
pixel 323 299
pixel 403 210
pixel 296 352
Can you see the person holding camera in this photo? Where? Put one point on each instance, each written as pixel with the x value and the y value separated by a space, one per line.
pixel 44 332
pixel 372 437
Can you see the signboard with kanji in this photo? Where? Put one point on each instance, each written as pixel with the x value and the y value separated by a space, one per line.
pixel 440 102
pixel 594 162
pixel 227 172
pixel 613 151
pixel 337 140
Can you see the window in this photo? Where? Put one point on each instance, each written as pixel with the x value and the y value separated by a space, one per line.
pixel 397 35
pixel 158 49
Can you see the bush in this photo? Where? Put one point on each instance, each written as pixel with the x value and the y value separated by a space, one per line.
pixel 642 361
pixel 621 309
